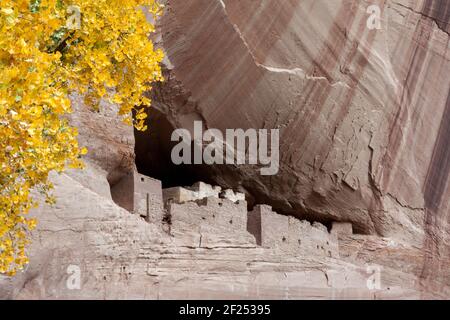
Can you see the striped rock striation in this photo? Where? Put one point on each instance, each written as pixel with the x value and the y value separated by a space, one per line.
pixel 364 119
pixel 364 114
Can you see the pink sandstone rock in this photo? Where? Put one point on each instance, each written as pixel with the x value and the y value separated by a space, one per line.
pixel 363 114
pixel 364 118
pixel 273 65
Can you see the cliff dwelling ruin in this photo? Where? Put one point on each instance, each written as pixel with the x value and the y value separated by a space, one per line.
pixel 203 206
pixel 186 197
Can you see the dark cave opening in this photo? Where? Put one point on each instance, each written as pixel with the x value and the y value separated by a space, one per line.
pixel 153 149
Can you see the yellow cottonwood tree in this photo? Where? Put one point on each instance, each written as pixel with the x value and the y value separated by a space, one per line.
pixel 48 49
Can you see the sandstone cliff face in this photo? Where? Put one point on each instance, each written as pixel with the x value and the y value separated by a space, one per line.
pixel 365 126
pixel 363 113
pixel 120 256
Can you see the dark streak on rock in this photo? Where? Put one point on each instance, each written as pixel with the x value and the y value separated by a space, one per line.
pixel 439 169
pixel 439 11
pixel 434 264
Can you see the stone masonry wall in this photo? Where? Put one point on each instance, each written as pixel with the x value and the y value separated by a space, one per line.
pixel 222 214
pixel 148 199
pixel 203 207
pixel 140 195
pixel 290 234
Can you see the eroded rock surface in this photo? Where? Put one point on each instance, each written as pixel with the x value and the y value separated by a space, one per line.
pixel 363 113
pixel 365 130
pixel 359 110
pixel 119 255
